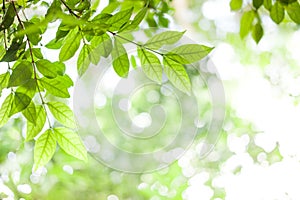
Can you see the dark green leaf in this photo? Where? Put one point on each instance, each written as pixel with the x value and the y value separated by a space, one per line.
pixel 120 59
pixel 277 12
pixel 95 29
pixel 30 113
pixel 119 19
pixel 257 32
pixel 164 38
pixel 70 142
pixel 44 149
pixel 177 75
pixel 5 109
pixel 246 23
pixel 293 10
pixel 268 4
pixel 49 69
pixel 189 53
pixel 37 53
pixel 236 4
pixel 29 88
pixel 21 74
pixel 8 18
pixel 70 45
pixel 20 102
pixel 56 86
pixel 257 3
pixel 150 65
pixel 34 129
pixel 102 45
pixel 62 113
pixel 13 51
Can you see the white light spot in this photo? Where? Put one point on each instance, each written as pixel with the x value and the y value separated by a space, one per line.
pixel 142 120
pixel 25 188
pixel 68 169
pixel 112 197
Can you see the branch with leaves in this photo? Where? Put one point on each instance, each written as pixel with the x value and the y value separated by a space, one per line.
pixel 251 14
pixel 37 85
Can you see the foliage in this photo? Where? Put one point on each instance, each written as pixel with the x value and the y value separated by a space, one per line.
pixel 251 20
pixel 37 85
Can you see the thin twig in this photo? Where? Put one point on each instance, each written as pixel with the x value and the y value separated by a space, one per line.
pixel 33 63
pixel 69 9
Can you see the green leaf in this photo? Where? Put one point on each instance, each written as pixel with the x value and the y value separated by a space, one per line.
pixel 293 11
pixel 86 56
pixel 236 4
pixel 111 7
pixel 44 149
pixel 5 109
pixel 257 3
pixel 34 129
pixel 119 19
pixel 29 88
pixel 137 20
pixel 189 53
pixel 257 32
pixel 70 45
pixel 102 45
pixel 30 113
pixel 277 12
pixel 246 23
pixel 55 86
pixel 55 44
pixel 268 4
pixel 70 142
pixel 21 74
pixel 4 78
pixel 133 61
pixel 120 59
pixel 178 76
pixel 150 65
pixel 20 102
pixel 164 38
pixel 62 113
pixel 37 53
pixel 49 69
pixel 8 18
pixel 13 52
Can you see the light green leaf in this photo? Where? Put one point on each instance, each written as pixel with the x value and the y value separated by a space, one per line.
pixel 62 113
pixel 44 149
pixel 34 129
pixel 257 32
pixel 55 86
pixel 30 113
pixel 20 102
pixel 277 12
pixel 49 69
pixel 236 4
pixel 85 58
pixel 29 88
pixel 293 11
pixel 176 73
pixel 246 23
pixel 4 78
pixel 119 19
pixel 188 53
pixel 70 142
pixel 5 109
pixel 137 20
pixel 150 65
pixel 70 45
pixel 102 45
pixel 21 74
pixel 257 3
pixel 164 38
pixel 54 44
pixel 268 4
pixel 120 59
pixel 133 61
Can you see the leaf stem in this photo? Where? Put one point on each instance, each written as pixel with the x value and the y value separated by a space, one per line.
pixel 33 64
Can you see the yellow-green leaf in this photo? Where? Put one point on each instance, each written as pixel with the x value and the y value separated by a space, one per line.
pixel 62 113
pixel 34 129
pixel 70 142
